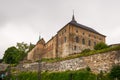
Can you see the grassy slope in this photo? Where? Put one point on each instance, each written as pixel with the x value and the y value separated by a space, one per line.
pixel 66 75
pixel 92 52
pixel 76 75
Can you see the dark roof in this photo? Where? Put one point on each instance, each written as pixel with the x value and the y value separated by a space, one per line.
pixel 84 27
pixel 74 22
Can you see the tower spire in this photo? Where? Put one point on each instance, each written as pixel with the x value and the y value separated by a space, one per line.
pixel 39 36
pixel 73 18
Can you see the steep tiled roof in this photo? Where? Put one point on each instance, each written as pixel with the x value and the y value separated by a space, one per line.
pixel 73 22
pixel 83 27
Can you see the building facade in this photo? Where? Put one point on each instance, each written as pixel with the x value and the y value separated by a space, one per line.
pixel 71 39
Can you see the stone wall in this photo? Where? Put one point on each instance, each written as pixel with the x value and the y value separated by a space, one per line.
pixel 3 67
pixel 96 62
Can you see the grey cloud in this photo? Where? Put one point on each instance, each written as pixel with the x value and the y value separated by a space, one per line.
pixel 3 20
pixel 48 16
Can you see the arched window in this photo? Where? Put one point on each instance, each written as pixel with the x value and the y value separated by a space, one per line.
pixel 83 41
pixel 77 39
pixel 89 43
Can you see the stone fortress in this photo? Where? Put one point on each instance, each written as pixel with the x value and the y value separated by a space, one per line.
pixel 71 39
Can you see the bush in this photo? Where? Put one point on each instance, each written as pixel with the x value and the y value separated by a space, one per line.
pixel 86 50
pixel 66 75
pixel 88 68
pixel 100 46
pixel 115 72
pixel 100 76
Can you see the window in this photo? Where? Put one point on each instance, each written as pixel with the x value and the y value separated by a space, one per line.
pixel 76 30
pixel 77 39
pixel 94 43
pixel 83 41
pixel 100 39
pixel 65 39
pixel 62 32
pixel 95 37
pixel 89 43
pixel 89 35
pixel 75 47
pixel 83 33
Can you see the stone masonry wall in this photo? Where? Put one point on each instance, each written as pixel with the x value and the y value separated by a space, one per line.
pixel 96 62
pixel 3 66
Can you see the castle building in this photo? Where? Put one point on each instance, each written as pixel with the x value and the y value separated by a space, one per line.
pixel 71 39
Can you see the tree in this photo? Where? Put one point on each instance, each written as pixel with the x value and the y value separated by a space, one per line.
pixel 12 55
pixel 23 47
pixel 31 46
pixel 1 60
pixel 15 54
pixel 100 45
pixel 115 72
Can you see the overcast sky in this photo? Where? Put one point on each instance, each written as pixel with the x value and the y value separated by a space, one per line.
pixel 24 20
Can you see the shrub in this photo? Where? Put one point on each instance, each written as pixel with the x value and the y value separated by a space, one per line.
pixel 100 76
pixel 100 46
pixel 86 50
pixel 66 75
pixel 88 68
pixel 115 72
